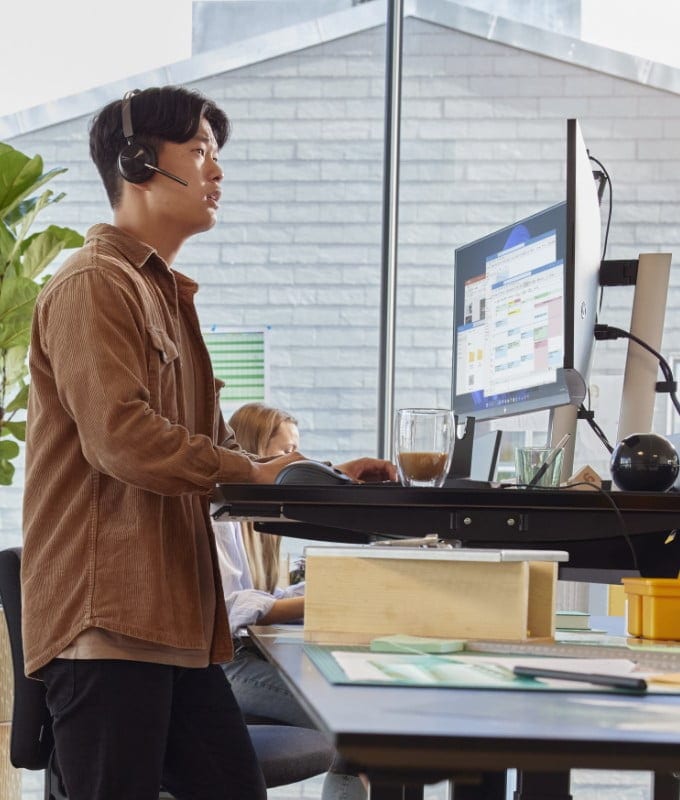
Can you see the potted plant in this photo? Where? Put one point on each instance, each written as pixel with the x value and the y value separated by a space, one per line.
pixel 24 256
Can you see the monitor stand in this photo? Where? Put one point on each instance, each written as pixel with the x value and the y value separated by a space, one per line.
pixel 460 472
pixel 641 371
pixel 646 322
pixel 461 462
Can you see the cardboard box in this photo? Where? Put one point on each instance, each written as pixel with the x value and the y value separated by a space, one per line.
pixel 653 607
pixel 354 594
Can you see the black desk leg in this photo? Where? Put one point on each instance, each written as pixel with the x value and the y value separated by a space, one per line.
pixel 492 786
pixel 542 786
pixel 665 786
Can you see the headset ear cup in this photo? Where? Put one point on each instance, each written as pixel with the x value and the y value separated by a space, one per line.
pixel 133 160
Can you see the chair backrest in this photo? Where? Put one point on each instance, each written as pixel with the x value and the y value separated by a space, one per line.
pixel 31 739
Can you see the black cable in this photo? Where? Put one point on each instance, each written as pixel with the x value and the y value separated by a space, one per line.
pixel 611 332
pixel 611 202
pixel 589 417
pixel 607 495
pixel 603 174
pixel 617 511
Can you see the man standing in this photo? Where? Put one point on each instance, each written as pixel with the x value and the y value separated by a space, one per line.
pixel 124 619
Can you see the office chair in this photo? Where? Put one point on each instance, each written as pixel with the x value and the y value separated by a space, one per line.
pixel 287 754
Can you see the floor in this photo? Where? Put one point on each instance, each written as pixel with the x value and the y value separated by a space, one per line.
pixel 585 785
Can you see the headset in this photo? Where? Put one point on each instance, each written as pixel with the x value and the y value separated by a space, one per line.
pixel 138 162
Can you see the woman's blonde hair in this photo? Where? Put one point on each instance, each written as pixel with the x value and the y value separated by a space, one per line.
pixel 255 425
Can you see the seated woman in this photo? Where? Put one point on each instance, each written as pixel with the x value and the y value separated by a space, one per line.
pixel 249 564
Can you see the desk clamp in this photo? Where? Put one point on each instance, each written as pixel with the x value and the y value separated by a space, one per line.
pixel 430 541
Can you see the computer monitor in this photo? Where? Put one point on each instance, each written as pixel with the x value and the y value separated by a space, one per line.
pixel 525 301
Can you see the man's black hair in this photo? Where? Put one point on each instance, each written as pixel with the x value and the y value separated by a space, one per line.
pixel 168 113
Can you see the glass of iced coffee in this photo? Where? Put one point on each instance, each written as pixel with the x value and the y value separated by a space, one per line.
pixel 423 445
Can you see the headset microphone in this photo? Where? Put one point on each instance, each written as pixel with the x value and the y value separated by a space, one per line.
pixel 138 162
pixel 167 174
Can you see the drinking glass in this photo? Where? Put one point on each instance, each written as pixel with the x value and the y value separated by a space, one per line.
pixel 529 460
pixel 423 445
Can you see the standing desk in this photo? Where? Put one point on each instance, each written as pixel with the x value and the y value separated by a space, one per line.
pixel 405 735
pixel 403 738
pixel 605 534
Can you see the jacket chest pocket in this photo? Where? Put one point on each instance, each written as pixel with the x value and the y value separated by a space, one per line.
pixel 163 369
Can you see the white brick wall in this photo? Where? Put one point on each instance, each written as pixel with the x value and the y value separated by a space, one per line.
pixel 298 245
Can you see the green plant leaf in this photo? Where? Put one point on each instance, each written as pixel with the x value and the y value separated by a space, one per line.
pixel 15 429
pixel 20 176
pixel 24 224
pixel 44 247
pixel 7 242
pixel 20 400
pixel 15 335
pixel 6 472
pixel 20 210
pixel 14 364
pixel 17 299
pixel 8 448
pixel 23 261
pixel 42 180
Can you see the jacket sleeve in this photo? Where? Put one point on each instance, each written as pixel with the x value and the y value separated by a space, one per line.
pixel 94 339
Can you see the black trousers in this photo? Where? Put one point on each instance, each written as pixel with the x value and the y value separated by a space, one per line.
pixel 123 729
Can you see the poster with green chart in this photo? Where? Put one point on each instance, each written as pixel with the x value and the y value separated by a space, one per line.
pixel 239 358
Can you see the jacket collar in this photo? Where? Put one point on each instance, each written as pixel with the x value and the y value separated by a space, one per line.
pixel 137 253
pixel 132 249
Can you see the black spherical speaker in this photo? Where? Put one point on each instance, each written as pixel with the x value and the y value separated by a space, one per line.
pixel 644 462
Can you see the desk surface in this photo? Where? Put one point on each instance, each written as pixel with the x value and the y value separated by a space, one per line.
pixel 442 731
pixel 619 531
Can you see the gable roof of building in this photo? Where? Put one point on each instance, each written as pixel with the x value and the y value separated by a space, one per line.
pixel 345 23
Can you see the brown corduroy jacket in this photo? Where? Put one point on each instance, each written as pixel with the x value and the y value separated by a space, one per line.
pixel 117 489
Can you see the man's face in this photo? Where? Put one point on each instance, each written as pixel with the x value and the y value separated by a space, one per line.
pixel 192 208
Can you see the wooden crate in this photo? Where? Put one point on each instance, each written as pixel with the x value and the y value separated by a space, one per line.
pixel 354 594
pixel 6 673
pixel 10 778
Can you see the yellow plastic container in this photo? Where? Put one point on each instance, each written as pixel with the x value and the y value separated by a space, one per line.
pixel 653 607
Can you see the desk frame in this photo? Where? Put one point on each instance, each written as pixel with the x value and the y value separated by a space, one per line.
pixel 403 738
pixel 598 531
pixel 606 537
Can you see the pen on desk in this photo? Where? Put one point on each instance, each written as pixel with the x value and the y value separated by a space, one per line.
pixel 552 455
pixel 613 681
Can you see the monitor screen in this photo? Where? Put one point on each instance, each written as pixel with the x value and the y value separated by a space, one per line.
pixel 509 316
pixel 524 304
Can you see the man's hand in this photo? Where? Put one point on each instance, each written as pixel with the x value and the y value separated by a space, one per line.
pixel 266 471
pixel 370 470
